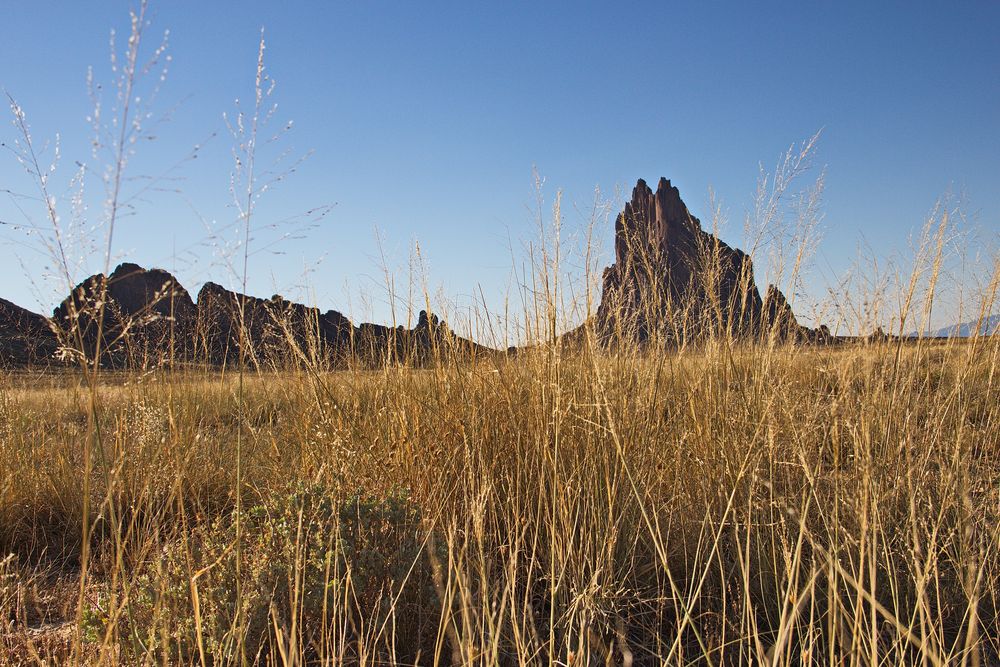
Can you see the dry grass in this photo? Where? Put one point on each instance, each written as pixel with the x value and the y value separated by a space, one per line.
pixel 720 501
pixel 730 504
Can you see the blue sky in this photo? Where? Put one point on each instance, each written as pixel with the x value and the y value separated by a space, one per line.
pixel 425 120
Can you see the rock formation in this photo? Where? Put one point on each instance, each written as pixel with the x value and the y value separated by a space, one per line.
pixel 25 337
pixel 276 331
pixel 779 318
pixel 269 331
pixel 148 317
pixel 671 282
pixel 150 320
pixel 674 282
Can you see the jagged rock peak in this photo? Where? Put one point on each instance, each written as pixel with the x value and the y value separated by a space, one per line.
pixel 136 288
pixel 779 318
pixel 651 218
pixel 126 269
pixel 661 286
pixel 132 289
pixel 131 317
pixel 776 306
pixel 425 320
pixel 212 288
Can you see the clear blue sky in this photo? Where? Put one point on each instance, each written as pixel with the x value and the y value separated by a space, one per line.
pixel 425 120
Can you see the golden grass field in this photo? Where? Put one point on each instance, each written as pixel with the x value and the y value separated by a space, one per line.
pixel 708 497
pixel 726 504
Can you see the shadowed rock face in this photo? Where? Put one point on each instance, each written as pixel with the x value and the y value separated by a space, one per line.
pixel 148 317
pixel 780 322
pixel 150 320
pixel 779 319
pixel 276 330
pixel 25 337
pixel 672 280
pixel 280 332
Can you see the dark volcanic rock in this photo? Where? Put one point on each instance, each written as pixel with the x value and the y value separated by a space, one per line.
pixel 26 338
pixel 277 332
pixel 780 322
pixel 779 319
pixel 671 280
pixel 147 317
pixel 270 331
pixel 150 320
pixel 377 344
pixel 674 282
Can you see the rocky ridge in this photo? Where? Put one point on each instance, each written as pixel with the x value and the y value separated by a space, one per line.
pixel 149 320
pixel 672 282
pixel 26 338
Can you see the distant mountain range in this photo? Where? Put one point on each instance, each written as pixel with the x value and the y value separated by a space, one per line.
pixel 990 326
